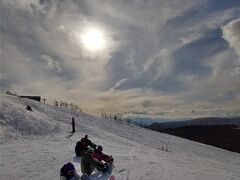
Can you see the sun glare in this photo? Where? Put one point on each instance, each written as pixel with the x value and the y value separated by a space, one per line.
pixel 93 40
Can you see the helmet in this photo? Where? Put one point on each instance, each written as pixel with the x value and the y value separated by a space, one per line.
pixel 100 148
pixel 86 136
pixel 70 168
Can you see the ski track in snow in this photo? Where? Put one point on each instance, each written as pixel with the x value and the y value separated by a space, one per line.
pixel 34 145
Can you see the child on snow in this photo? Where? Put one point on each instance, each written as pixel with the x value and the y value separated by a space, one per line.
pixel 99 156
pixel 93 159
pixel 68 172
pixel 82 146
pixel 29 108
pixel 88 164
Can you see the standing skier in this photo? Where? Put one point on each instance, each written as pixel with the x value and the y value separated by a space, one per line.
pixel 73 124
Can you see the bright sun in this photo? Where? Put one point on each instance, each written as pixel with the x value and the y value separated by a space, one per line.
pixel 93 40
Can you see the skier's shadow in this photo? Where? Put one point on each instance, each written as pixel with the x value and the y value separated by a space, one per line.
pixel 70 135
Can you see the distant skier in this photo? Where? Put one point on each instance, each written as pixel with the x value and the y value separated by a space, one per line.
pixel 82 146
pixel 29 108
pixel 68 172
pixel 73 125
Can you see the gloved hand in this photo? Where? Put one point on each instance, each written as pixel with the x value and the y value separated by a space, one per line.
pixel 94 146
pixel 110 159
pixel 100 166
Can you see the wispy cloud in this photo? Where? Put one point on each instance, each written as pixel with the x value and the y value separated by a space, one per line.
pixel 162 58
pixel 231 33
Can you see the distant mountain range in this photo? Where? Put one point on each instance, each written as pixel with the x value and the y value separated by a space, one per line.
pixel 195 122
pixel 219 132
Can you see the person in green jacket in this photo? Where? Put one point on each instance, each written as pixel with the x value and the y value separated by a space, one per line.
pixel 88 164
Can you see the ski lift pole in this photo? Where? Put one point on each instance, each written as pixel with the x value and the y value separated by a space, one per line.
pixel 168 143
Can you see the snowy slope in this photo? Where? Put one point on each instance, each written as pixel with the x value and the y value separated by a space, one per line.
pixel 34 145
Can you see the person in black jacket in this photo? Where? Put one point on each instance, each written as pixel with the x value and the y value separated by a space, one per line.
pixel 29 108
pixel 82 146
pixel 73 125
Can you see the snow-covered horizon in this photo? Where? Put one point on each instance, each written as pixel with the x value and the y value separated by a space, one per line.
pixel 34 145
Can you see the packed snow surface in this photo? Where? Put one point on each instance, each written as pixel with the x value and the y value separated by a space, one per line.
pixel 35 145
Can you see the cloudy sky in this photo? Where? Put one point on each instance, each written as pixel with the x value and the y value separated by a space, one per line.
pixel 149 58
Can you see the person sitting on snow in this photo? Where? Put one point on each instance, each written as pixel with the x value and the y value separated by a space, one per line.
pixel 28 108
pixel 99 156
pixel 92 159
pixel 88 164
pixel 68 172
pixel 82 146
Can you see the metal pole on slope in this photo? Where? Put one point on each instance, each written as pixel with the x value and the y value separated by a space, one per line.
pixel 168 143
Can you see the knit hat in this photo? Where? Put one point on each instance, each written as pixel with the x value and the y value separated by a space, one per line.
pixel 69 167
pixel 100 148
